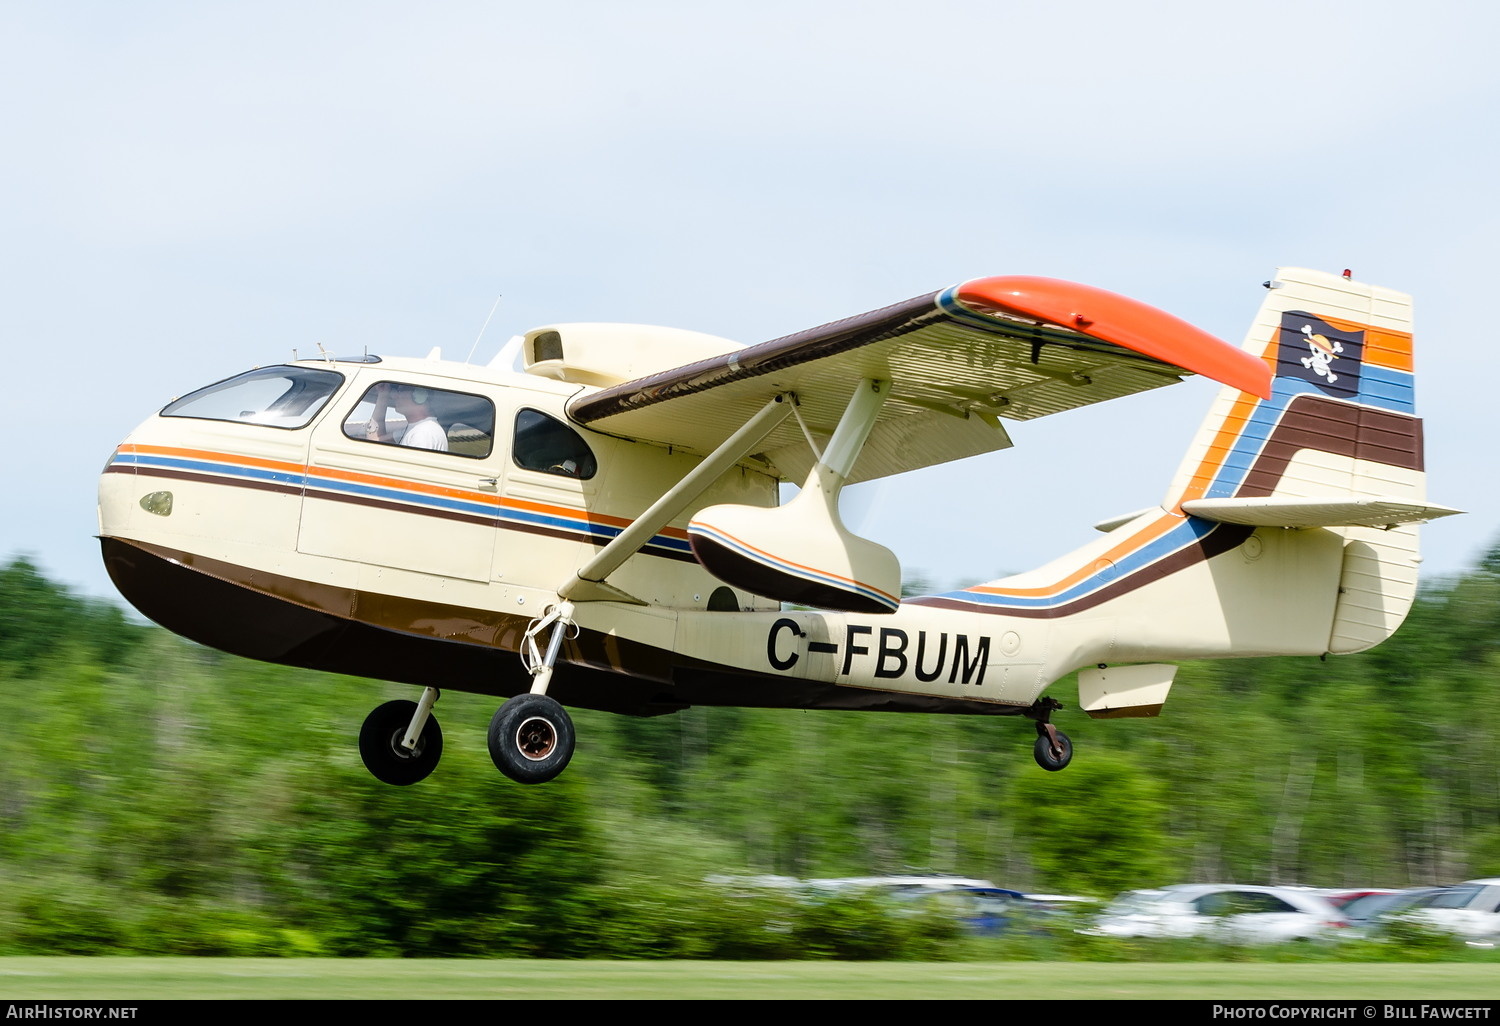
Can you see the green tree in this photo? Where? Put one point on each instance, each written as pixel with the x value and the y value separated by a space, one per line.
pixel 1098 827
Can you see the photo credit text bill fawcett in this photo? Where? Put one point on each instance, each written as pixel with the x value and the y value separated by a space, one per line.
pixel 1412 1010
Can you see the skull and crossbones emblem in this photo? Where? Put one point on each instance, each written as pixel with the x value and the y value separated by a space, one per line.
pixel 1322 350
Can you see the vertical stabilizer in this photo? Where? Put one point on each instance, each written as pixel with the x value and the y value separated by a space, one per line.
pixel 1340 424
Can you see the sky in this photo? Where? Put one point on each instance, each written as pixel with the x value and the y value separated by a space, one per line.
pixel 193 189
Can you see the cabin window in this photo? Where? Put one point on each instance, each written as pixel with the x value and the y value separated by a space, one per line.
pixel 418 417
pixel 282 397
pixel 547 444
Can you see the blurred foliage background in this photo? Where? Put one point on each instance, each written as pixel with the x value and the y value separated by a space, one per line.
pixel 157 797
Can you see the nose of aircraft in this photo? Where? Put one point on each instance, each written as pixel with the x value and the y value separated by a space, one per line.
pixel 117 488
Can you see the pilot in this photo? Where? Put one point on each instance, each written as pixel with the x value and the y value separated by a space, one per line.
pixel 422 429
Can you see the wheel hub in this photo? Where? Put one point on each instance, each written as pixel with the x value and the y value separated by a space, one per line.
pixel 536 738
pixel 400 751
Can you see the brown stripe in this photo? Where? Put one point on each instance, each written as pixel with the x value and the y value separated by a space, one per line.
pixel 364 500
pixel 1340 428
pixel 469 518
pixel 187 475
pixel 1220 539
pixel 400 507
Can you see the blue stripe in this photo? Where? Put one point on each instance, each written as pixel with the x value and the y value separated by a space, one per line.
pixel 1189 532
pixel 314 485
pixel 1387 388
pixel 175 463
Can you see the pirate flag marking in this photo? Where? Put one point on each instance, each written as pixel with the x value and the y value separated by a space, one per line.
pixel 1314 350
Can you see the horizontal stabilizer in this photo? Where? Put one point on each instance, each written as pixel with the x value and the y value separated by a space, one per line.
pixel 1109 524
pixel 1271 511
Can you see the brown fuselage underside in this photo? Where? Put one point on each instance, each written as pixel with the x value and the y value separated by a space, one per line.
pixel 281 620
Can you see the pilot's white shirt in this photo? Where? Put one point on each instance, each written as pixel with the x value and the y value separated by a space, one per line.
pixel 426 434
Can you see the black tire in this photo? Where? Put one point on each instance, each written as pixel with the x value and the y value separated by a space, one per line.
pixel 380 744
pixel 531 739
pixel 1042 750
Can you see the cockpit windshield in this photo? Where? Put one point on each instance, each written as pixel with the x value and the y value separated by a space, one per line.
pixel 283 397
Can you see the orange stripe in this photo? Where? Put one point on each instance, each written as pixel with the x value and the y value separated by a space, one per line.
pixel 356 477
pixel 541 507
pixel 602 519
pixel 1150 533
pixel 215 457
pixel 1218 449
pixel 1383 347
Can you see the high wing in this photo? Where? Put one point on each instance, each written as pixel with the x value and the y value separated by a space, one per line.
pixel 958 361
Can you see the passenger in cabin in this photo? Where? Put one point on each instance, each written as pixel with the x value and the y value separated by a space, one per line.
pixel 422 429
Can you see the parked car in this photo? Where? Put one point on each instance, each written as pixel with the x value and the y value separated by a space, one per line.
pixel 1368 912
pixel 892 884
pixel 985 911
pixel 1061 906
pixel 1341 898
pixel 1470 910
pixel 1226 912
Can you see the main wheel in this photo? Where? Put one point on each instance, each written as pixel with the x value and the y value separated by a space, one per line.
pixel 531 739
pixel 1044 754
pixel 384 755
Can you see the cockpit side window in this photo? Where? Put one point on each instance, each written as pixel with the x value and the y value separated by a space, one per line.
pixel 418 417
pixel 547 444
pixel 282 397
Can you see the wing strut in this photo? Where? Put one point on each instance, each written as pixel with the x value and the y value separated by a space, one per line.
pixel 586 582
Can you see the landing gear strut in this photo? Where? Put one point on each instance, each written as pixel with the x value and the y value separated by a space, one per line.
pixel 1052 750
pixel 531 737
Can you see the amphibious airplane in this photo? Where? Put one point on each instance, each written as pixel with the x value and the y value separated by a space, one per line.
pixel 593 519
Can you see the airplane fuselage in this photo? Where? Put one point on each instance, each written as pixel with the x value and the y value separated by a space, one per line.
pixel 286 543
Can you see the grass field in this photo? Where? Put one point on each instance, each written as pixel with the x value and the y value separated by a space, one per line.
pixel 78 979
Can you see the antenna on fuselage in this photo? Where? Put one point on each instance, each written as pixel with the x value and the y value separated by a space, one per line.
pixel 496 306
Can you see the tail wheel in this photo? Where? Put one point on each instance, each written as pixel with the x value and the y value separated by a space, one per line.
pixel 531 739
pixel 1052 755
pixel 387 759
